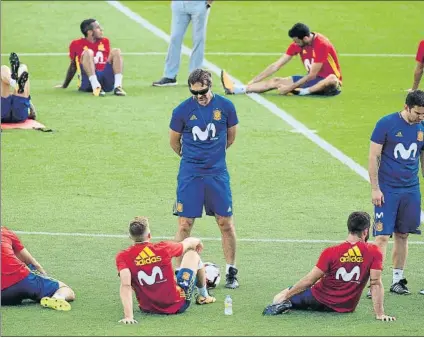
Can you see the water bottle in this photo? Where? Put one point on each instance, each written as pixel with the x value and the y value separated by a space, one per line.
pixel 228 306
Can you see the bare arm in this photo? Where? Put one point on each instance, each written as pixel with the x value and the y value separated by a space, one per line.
pixel 175 141
pixel 192 243
pixel 231 135
pixel 315 68
pixel 374 163
pixel 272 68
pixel 125 291
pixel 306 282
pixel 72 69
pixel 27 258
pixel 377 292
pixel 419 69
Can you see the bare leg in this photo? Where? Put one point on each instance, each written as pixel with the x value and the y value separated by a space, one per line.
pixel 381 242
pixel 184 229
pixel 87 60
pixel 59 300
pixel 5 81
pixel 331 81
pixel 267 85
pixel 116 59
pixel 64 292
pixel 228 235
pixel 400 251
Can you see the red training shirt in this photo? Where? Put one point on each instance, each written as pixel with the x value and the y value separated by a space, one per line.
pixel 152 276
pixel 320 51
pixel 13 270
pixel 347 270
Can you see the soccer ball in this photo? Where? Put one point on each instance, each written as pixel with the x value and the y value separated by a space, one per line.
pixel 213 275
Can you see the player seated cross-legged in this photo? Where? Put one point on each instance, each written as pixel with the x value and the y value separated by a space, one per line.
pixel 22 277
pixel 336 282
pixel 146 268
pixel 16 103
pixel 317 54
pixel 99 67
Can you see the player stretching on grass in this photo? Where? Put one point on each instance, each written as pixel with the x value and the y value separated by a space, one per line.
pixel 99 68
pixel 146 268
pixel 319 58
pixel 335 284
pixel 16 103
pixel 18 282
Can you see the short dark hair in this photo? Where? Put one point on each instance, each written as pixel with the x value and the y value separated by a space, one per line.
pixel 358 221
pixel 200 75
pixel 86 25
pixel 415 98
pixel 138 227
pixel 299 30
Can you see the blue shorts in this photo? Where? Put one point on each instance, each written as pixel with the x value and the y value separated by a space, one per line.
pixel 306 301
pixel 186 280
pixel 332 91
pixel 14 109
pixel 400 213
pixel 33 287
pixel 106 78
pixel 196 192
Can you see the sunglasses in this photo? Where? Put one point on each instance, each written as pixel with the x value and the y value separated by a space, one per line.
pixel 199 92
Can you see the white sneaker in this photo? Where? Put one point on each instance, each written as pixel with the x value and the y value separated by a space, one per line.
pixel 422 292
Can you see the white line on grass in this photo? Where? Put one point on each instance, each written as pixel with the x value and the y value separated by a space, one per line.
pixel 209 239
pixel 223 54
pixel 333 151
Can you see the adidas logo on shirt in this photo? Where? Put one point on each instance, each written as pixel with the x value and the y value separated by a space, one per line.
pixel 399 134
pixel 353 255
pixel 147 256
pixel 193 117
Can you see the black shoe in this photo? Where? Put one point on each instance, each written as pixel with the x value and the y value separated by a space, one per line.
pixel 22 81
pixel 165 82
pixel 277 309
pixel 400 287
pixel 231 279
pixel 14 65
pixel 118 91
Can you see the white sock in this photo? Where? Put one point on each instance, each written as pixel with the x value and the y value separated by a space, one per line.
pixel 304 91
pixel 12 83
pixel 118 80
pixel 240 90
pixel 203 291
pixel 228 266
pixel 397 275
pixel 59 296
pixel 94 82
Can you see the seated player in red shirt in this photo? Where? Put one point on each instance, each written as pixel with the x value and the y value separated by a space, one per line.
pixel 419 69
pixel 336 283
pixel 22 277
pixel 146 268
pixel 317 54
pixel 99 68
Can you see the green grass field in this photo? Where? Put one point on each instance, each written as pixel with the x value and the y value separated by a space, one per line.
pixel 109 160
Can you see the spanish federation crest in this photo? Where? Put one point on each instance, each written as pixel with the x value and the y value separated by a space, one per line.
pixel 420 136
pixel 101 47
pixel 217 115
pixel 378 226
